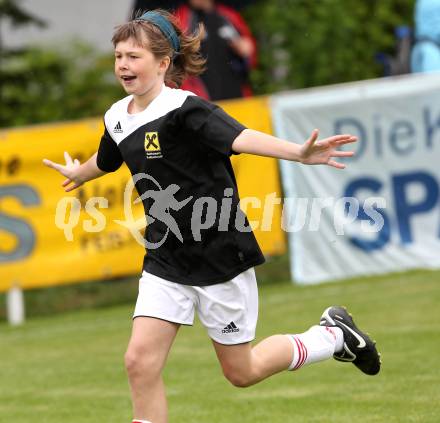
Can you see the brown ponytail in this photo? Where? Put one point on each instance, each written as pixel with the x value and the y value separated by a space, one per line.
pixel 187 62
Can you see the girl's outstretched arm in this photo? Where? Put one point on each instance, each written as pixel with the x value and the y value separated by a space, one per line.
pixel 311 152
pixel 76 173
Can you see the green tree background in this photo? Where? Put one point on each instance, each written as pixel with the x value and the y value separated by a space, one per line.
pixel 302 43
pixel 41 84
pixel 306 43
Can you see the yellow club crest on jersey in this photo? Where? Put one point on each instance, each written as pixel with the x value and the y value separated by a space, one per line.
pixel 152 141
pixel 152 145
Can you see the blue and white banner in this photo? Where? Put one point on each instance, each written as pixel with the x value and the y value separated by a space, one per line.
pixel 382 213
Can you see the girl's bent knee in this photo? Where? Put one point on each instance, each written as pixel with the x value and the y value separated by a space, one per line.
pixel 238 379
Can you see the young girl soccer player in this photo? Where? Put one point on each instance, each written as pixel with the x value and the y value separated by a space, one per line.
pixel 177 138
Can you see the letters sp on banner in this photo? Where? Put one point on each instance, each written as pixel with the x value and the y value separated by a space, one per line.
pixel 405 208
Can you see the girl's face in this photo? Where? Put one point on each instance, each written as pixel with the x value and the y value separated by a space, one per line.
pixel 137 69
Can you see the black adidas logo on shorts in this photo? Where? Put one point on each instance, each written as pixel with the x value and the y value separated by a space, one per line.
pixel 230 328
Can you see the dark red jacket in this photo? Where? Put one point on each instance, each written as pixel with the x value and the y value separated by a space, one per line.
pixel 195 84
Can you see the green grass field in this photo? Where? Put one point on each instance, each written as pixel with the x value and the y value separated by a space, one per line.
pixel 69 367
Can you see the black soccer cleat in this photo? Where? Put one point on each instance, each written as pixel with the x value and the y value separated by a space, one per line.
pixel 358 348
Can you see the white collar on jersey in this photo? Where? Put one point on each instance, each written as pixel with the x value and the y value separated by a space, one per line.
pixel 120 124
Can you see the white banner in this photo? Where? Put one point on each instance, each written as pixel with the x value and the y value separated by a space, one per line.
pixel 382 213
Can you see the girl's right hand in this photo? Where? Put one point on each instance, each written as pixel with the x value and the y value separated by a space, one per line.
pixel 69 170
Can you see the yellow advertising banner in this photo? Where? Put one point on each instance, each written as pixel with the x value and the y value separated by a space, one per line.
pixel 37 250
pixel 48 237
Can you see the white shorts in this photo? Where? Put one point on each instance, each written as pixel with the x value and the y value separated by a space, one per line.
pixel 228 310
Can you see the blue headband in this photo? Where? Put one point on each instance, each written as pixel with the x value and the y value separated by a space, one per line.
pixel 165 27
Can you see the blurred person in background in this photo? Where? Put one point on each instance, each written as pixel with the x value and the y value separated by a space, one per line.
pixel 425 56
pixel 228 46
pixel 141 5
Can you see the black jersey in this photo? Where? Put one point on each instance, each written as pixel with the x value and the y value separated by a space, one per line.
pixel 178 151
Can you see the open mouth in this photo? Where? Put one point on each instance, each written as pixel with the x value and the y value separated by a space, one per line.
pixel 128 78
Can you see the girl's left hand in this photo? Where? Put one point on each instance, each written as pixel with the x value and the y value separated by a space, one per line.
pixel 314 152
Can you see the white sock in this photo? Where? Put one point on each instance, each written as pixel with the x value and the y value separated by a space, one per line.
pixel 140 421
pixel 317 344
